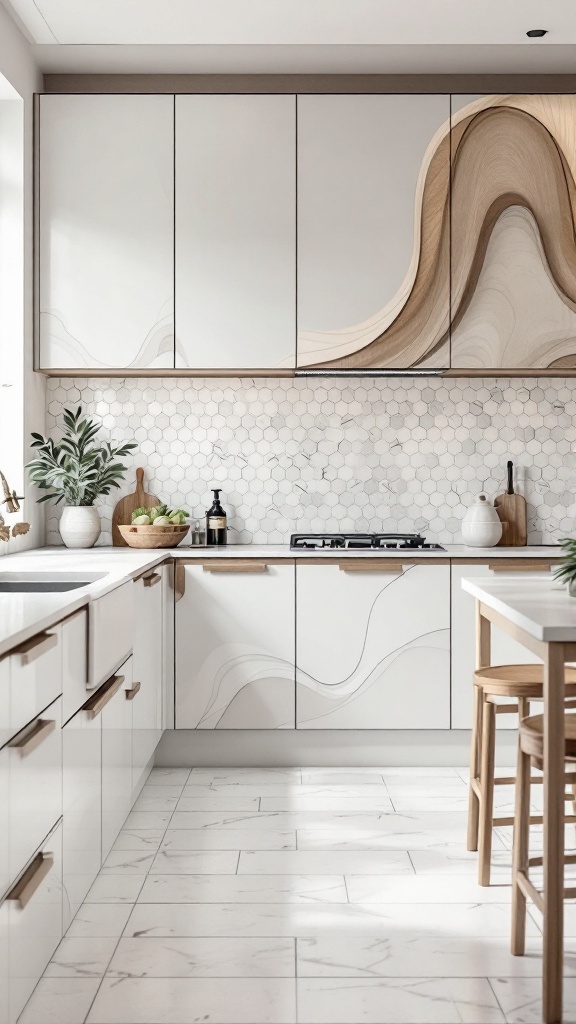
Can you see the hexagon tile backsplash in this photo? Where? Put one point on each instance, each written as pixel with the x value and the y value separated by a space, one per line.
pixel 367 454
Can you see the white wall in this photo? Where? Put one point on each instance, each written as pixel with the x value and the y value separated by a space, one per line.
pixel 19 68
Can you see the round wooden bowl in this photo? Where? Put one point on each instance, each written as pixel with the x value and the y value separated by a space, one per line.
pixel 153 536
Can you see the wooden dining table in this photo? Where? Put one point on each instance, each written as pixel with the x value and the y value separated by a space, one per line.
pixel 540 614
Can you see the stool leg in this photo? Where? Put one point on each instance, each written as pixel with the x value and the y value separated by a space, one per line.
pixel 473 805
pixel 520 848
pixel 487 791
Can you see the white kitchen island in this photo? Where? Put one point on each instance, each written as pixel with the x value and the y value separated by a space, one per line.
pixel 541 615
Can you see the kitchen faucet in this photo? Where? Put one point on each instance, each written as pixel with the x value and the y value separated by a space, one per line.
pixel 12 503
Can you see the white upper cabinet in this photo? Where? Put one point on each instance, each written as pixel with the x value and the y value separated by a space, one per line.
pixel 106 232
pixel 235 232
pixel 373 231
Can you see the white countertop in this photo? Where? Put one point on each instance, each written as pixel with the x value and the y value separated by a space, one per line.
pixel 22 615
pixel 542 608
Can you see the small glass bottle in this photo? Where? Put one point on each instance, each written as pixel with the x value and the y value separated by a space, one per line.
pixel 216 521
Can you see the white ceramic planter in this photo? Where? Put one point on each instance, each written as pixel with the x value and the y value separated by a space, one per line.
pixel 481 527
pixel 79 526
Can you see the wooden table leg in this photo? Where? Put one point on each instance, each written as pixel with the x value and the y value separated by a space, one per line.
pixel 553 834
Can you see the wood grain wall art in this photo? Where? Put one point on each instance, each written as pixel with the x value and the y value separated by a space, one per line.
pixel 497 234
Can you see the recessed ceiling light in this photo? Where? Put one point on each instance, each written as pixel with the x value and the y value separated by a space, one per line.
pixel 537 33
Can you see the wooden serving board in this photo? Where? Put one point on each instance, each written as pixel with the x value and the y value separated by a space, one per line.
pixel 122 515
pixel 511 510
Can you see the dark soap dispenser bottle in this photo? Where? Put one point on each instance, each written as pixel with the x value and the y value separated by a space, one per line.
pixel 216 521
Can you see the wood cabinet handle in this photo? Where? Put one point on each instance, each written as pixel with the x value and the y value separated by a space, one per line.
pixel 152 580
pixel 520 567
pixel 130 694
pixel 35 647
pixel 32 878
pixel 367 566
pixel 96 704
pixel 38 733
pixel 235 567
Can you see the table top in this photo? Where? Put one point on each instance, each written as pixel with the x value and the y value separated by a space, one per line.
pixel 542 608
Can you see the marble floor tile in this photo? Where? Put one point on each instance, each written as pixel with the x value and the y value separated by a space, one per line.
pixel 147 801
pixel 397 1001
pixel 216 801
pixel 243 776
pixel 411 784
pixel 243 889
pixel 422 889
pixel 398 837
pixel 186 1000
pixel 195 862
pixel 157 791
pixel 227 839
pixel 460 862
pixel 285 790
pixel 128 862
pixel 401 921
pixel 60 1001
pixel 342 776
pixel 284 820
pixel 81 957
pixel 115 889
pixel 168 777
pixel 100 920
pixel 147 820
pixel 139 839
pixel 430 772
pixel 354 956
pixel 331 862
pixel 521 999
pixel 204 958
pixel 296 801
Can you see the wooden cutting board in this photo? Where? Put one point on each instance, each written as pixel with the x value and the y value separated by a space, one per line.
pixel 511 510
pixel 122 515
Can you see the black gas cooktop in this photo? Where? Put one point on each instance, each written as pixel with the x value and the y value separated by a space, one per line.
pixel 362 541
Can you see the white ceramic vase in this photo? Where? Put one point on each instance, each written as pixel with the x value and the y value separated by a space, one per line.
pixel 79 526
pixel 481 527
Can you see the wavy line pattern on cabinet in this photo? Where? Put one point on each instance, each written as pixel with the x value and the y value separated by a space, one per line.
pixel 506 151
pixel 385 662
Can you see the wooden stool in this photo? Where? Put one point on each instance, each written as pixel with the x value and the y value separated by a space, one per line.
pixel 521 684
pixel 531 749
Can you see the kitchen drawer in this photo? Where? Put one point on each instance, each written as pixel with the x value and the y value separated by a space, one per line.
pixel 74 663
pixel 35 676
pixel 4 962
pixel 110 633
pixel 35 785
pixel 4 821
pixel 34 921
pixel 116 758
pixel 4 701
pixel 82 792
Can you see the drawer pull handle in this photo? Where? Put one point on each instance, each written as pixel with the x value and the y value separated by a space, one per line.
pixel 152 580
pixel 37 734
pixel 96 704
pixel 32 878
pixel 366 566
pixel 36 647
pixel 519 567
pixel 130 694
pixel 235 567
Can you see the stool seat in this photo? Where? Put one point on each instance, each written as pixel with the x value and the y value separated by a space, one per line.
pixel 532 736
pixel 518 681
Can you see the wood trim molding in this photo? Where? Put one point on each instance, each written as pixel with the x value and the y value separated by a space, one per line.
pixel 309 83
pixel 164 371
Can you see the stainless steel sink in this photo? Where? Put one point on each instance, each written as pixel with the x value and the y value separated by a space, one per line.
pixel 46 583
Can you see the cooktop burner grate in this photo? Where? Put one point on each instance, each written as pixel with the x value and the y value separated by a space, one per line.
pixel 361 541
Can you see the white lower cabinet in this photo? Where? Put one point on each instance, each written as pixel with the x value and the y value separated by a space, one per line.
pixel 35 756
pixel 35 676
pixel 146 691
pixel 116 723
pixel 34 921
pixel 4 820
pixel 373 646
pixel 74 636
pixel 4 961
pixel 82 796
pixel 235 645
pixel 504 651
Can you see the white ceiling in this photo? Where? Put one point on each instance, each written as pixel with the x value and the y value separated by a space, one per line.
pixel 299 35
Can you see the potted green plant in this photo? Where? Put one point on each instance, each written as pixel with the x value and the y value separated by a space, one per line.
pixel 566 571
pixel 77 470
